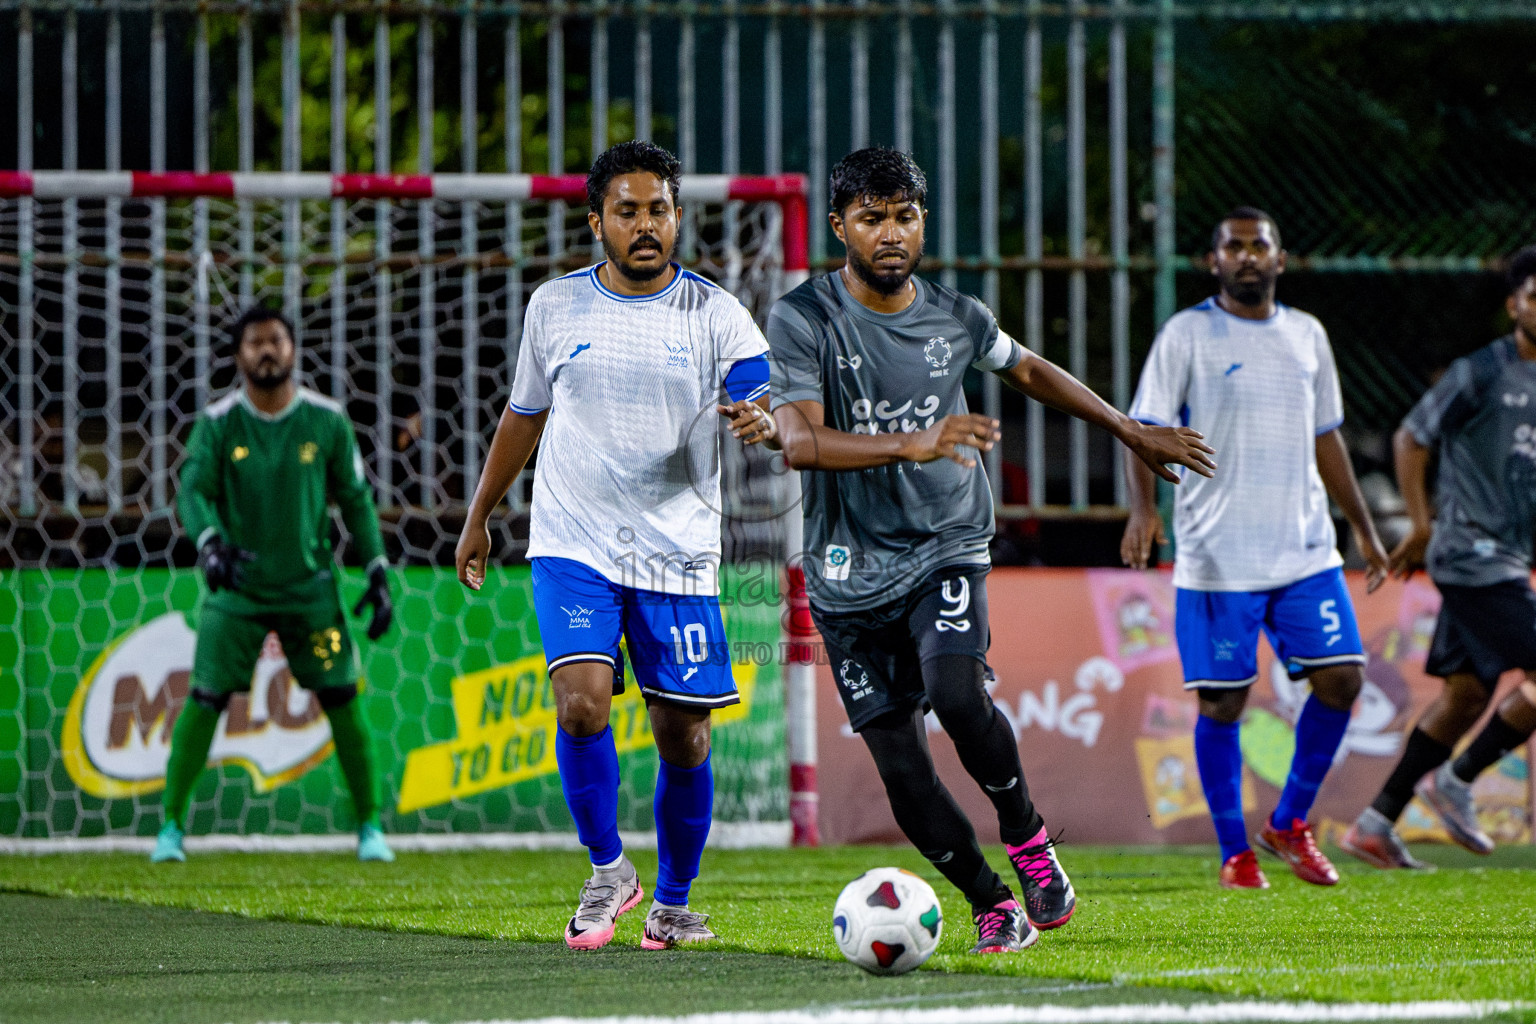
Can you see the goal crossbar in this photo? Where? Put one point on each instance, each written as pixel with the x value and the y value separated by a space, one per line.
pixel 788 190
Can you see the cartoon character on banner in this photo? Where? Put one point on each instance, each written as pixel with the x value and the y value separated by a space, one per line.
pixel 1135 617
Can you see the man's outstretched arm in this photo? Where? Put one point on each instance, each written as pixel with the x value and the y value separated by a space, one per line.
pixel 1157 447
pixel 516 436
pixel 810 444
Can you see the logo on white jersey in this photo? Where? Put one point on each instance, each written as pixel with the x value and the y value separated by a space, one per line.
pixel 580 617
pixel 850 363
pixel 836 563
pixel 957 600
pixel 679 354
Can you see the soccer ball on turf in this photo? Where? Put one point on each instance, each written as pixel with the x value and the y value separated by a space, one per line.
pixel 887 921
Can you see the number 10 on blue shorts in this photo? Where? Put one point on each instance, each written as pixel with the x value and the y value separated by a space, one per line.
pixel 676 642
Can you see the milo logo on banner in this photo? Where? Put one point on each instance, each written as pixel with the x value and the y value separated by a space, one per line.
pixel 117 733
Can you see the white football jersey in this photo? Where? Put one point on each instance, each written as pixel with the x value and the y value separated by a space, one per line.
pixel 1262 392
pixel 627 479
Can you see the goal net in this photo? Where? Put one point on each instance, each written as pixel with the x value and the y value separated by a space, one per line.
pixel 407 295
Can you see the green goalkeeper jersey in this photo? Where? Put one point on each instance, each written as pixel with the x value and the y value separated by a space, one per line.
pixel 265 483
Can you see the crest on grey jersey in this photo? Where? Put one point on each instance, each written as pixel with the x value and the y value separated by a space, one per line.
pixel 937 352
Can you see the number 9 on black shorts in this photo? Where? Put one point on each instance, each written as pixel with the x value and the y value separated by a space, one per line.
pixel 877 655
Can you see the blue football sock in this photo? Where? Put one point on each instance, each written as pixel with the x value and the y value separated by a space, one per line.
pixel 1319 731
pixel 589 774
pixel 1220 759
pixel 685 804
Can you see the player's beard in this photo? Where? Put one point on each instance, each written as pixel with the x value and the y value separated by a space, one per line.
pixel 886 280
pixel 1251 290
pixel 268 374
pixel 639 275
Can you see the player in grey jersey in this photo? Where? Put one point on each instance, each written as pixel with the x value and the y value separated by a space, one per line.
pixel 1481 419
pixel 869 400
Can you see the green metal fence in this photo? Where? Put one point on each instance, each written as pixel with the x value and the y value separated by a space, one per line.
pixel 1079 151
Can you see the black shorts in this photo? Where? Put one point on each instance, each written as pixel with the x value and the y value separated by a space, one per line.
pixel 877 655
pixel 1484 630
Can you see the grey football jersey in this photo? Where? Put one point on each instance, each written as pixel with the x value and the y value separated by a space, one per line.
pixel 873 534
pixel 1482 417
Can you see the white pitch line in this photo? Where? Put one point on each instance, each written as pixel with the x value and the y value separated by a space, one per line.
pixel 1125 1013
pixel 1208 972
pixel 934 997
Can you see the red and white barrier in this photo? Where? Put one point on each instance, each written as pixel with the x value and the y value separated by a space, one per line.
pixel 788 190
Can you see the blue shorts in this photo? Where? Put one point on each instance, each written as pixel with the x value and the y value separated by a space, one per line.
pixel 1310 625
pixel 676 642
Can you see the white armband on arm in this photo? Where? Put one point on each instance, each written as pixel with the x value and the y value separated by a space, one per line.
pixel 1004 354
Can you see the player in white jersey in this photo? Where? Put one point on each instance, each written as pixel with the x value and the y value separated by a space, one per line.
pixel 622 370
pixel 1255 544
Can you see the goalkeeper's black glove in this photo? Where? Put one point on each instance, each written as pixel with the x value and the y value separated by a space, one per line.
pixel 224 565
pixel 377 595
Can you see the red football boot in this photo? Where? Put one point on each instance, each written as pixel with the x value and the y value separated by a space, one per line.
pixel 1241 871
pixel 1298 849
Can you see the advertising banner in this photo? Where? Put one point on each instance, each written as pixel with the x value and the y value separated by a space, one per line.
pixel 97 667
pixel 1088 677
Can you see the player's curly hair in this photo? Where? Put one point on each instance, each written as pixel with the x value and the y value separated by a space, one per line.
pixel 626 158
pixel 876 173
pixel 1521 268
pixel 258 315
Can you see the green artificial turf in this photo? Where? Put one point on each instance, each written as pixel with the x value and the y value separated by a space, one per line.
pixel 99 960
pixel 1145 918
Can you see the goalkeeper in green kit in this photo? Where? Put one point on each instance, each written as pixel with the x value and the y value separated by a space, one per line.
pixel 263 464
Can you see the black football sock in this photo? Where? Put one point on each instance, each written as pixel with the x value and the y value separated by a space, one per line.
pixel 956 687
pixel 925 810
pixel 1421 754
pixel 1497 739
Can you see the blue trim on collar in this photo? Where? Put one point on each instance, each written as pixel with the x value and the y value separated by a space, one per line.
pixel 615 296
pixel 702 280
pixel 1210 305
